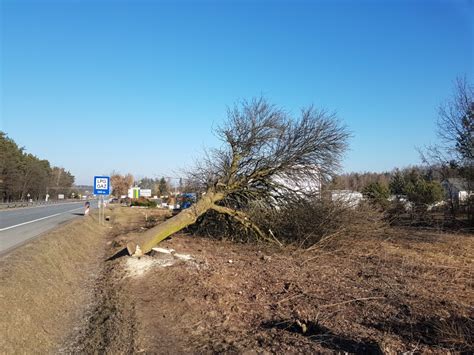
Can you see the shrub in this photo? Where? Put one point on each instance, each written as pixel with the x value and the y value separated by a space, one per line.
pixel 377 194
pixel 302 223
pixel 422 192
pixel 143 202
pixel 306 223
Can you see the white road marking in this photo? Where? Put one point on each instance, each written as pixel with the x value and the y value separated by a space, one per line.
pixel 39 219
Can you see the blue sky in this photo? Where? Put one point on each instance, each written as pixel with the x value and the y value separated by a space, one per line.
pixel 136 86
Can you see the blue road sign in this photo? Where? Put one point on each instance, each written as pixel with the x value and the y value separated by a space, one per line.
pixel 101 185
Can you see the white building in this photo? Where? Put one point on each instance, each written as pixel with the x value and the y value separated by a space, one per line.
pixel 134 192
pixel 311 185
pixel 457 189
pixel 347 197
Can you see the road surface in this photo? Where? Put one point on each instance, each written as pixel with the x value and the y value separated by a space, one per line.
pixel 23 224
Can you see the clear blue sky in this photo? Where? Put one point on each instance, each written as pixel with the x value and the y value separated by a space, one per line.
pixel 137 86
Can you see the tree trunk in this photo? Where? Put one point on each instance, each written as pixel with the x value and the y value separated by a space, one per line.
pixel 153 236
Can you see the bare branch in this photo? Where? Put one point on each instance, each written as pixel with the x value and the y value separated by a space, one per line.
pixel 243 219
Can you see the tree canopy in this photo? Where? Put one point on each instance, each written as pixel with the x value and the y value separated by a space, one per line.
pixel 266 156
pixel 23 173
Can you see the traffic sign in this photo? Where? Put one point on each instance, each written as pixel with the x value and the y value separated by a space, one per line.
pixel 101 185
pixel 145 192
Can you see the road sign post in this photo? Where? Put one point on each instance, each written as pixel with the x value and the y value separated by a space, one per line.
pixel 101 188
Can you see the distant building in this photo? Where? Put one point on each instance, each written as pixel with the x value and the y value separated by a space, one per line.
pixel 347 197
pixel 134 192
pixel 457 189
pixel 310 185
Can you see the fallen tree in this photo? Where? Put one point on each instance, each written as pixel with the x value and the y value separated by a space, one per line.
pixel 266 157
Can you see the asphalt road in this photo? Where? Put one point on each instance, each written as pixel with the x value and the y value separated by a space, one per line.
pixel 20 225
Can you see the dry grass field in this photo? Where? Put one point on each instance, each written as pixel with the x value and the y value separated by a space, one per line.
pixel 403 290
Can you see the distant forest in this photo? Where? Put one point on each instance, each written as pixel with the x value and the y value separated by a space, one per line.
pixel 25 176
pixel 390 179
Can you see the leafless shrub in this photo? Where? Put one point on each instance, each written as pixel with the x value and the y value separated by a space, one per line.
pixel 216 225
pixel 455 332
pixel 302 223
pixel 308 223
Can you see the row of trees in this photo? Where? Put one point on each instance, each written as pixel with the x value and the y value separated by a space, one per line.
pixel 159 187
pixel 358 181
pixel 452 157
pixel 414 184
pixel 23 175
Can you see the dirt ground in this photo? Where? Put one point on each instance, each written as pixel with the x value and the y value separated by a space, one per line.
pixel 406 290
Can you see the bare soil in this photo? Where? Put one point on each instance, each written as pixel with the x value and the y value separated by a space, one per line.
pixel 406 290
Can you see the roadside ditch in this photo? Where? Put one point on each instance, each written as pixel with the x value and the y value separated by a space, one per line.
pixel 58 293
